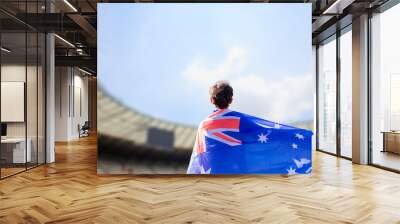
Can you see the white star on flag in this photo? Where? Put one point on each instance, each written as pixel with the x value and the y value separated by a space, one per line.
pixel 299 136
pixel 262 138
pixel 291 171
pixel 294 146
pixel 300 163
pixel 202 171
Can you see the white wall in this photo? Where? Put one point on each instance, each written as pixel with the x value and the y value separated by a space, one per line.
pixel 33 126
pixel 62 81
pixel 80 110
pixel 12 73
pixel 71 103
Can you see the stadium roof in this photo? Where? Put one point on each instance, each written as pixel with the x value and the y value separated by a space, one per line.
pixel 119 121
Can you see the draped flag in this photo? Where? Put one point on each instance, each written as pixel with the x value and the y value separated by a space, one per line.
pixel 229 142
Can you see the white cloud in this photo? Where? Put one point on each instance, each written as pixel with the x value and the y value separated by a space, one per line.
pixel 233 64
pixel 285 98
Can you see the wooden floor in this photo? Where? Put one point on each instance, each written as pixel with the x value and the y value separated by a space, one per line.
pixel 69 191
pixel 5 172
pixel 387 159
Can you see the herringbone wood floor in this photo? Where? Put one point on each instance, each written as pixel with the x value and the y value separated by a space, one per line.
pixel 69 191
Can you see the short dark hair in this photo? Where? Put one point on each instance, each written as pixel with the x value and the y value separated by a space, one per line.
pixel 221 94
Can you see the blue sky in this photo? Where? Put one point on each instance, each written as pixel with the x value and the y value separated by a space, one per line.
pixel 160 59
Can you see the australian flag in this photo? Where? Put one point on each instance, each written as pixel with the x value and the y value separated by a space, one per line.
pixel 229 142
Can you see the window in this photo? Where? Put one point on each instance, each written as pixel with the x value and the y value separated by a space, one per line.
pixel 346 93
pixel 14 144
pixel 22 88
pixel 385 89
pixel 327 96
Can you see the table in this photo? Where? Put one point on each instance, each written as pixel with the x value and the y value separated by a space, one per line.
pixel 13 150
pixel 391 141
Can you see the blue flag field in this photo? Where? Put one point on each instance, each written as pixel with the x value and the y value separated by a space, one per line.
pixel 230 142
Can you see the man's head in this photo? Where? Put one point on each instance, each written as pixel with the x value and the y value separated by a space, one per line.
pixel 221 94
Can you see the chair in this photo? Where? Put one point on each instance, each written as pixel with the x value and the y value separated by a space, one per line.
pixel 84 130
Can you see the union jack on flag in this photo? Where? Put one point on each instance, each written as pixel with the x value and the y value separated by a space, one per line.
pixel 230 142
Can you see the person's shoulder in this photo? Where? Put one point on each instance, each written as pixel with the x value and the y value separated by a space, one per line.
pixel 233 113
pixel 221 113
